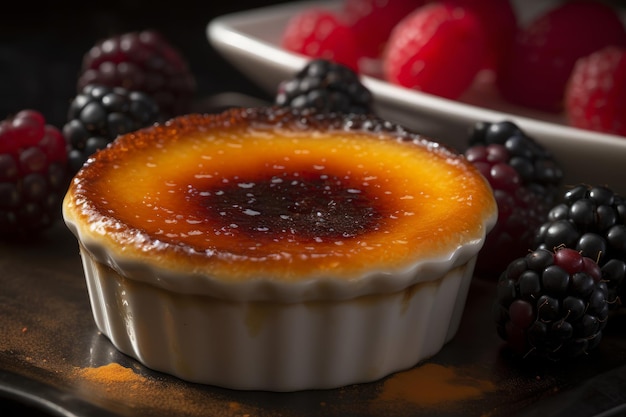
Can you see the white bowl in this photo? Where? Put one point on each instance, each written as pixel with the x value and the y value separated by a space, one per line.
pixel 208 306
pixel 250 39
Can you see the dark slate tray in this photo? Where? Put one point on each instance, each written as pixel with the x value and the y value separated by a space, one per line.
pixel 50 348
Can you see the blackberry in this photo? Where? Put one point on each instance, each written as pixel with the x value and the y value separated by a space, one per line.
pixel 33 174
pixel 99 114
pixel 551 305
pixel 591 220
pixel 526 181
pixel 325 86
pixel 141 61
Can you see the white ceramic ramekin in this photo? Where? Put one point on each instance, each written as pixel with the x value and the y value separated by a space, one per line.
pixel 271 334
pixel 280 346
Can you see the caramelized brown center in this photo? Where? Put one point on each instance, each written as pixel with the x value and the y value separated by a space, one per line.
pixel 307 205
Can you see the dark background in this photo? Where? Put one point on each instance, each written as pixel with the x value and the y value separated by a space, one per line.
pixel 42 45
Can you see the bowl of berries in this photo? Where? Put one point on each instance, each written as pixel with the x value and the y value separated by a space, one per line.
pixel 438 67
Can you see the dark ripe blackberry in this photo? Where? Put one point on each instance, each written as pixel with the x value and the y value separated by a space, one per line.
pixel 526 180
pixel 99 114
pixel 141 61
pixel 591 220
pixel 33 174
pixel 536 166
pixel 327 87
pixel 551 305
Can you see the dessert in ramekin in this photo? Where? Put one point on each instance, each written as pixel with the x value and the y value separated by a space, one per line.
pixel 272 249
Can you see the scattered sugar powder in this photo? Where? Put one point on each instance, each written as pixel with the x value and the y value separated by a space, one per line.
pixel 433 386
pixel 111 374
pixel 124 390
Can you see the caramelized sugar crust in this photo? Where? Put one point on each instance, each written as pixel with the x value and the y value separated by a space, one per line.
pixel 278 193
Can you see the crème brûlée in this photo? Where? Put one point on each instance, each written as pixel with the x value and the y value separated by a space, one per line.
pixel 192 230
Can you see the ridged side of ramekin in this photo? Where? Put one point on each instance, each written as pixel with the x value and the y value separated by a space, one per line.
pixel 275 345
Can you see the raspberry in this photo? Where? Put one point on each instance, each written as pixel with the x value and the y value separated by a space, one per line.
pixel 544 53
pixel 592 221
pixel 437 49
pixel 371 21
pixel 319 33
pixel 526 181
pixel 99 114
pixel 551 305
pixel 325 86
pixel 33 174
pixel 595 96
pixel 500 24
pixel 141 61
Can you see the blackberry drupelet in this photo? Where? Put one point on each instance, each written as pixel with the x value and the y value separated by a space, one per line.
pixel 99 114
pixel 551 305
pixel 526 181
pixel 591 220
pixel 33 174
pixel 141 61
pixel 325 86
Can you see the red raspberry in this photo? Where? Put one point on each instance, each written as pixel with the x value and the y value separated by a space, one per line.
pixel 595 96
pixel 545 52
pixel 33 173
pixel 141 61
pixel 319 33
pixel 437 49
pixel 499 23
pixel 371 21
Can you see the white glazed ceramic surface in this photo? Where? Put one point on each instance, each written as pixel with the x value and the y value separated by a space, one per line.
pixel 249 40
pixel 260 345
